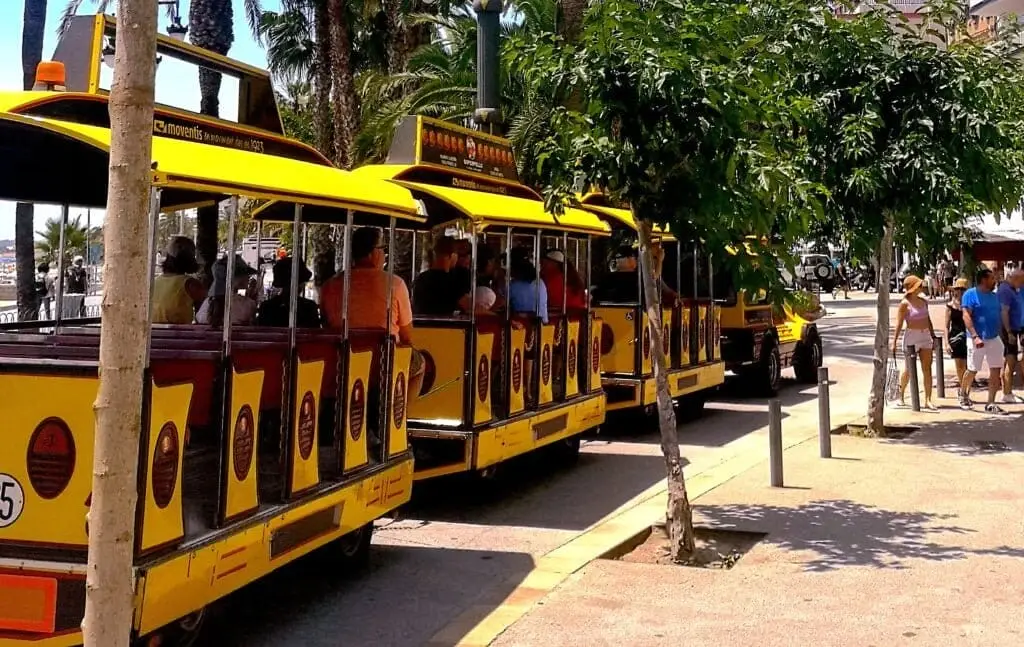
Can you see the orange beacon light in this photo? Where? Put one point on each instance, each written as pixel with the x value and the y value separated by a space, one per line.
pixel 50 75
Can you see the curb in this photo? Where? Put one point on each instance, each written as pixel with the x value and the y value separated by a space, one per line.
pixel 479 625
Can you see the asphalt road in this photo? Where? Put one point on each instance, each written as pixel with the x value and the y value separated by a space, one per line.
pixel 458 545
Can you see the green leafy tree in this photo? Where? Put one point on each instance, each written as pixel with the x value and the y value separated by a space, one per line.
pixel 681 115
pixel 912 135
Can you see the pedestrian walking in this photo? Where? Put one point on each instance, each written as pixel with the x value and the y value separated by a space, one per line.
pixel 913 313
pixel 956 330
pixel 983 321
pixel 44 286
pixel 1012 318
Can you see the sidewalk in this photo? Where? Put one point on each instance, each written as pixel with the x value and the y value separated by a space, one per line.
pixel 915 541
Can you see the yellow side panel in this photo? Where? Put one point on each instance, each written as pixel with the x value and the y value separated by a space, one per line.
pixel 702 333
pixel 398 416
pixel 305 463
pixel 620 320
pixel 515 438
pixel 716 335
pixel 357 410
pixel 517 398
pixel 481 391
pixel 190 581
pixel 443 399
pixel 242 464
pixel 645 349
pixel 733 317
pixel 685 326
pixel 27 401
pixel 547 346
pixel 594 358
pixel 572 360
pixel 168 408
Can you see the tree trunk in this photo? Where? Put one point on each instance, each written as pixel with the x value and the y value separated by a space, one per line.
pixel 33 28
pixel 571 15
pixel 876 401
pixel 322 86
pixel 345 99
pixel 679 516
pixel 124 331
pixel 321 242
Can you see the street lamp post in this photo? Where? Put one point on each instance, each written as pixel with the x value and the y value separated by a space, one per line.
pixel 488 42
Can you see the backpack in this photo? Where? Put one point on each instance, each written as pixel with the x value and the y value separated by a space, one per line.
pixel 40 285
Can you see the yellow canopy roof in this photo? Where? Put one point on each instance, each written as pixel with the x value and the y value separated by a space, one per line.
pixel 620 216
pixel 497 209
pixel 189 166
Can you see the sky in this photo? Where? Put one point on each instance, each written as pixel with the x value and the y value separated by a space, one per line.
pixel 176 83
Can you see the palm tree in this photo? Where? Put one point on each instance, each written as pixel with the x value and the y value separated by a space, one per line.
pixel 211 26
pixel 24 218
pixel 74 239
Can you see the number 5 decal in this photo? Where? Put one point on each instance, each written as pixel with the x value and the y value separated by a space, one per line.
pixel 12 500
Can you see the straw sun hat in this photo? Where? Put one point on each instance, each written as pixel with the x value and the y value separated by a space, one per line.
pixel 912 284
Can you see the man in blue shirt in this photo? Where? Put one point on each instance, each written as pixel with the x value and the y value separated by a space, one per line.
pixel 1012 316
pixel 983 316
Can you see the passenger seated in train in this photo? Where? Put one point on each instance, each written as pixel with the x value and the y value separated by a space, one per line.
pixel 437 291
pixel 176 293
pixel 622 285
pixel 460 272
pixel 556 272
pixel 367 303
pixel 243 307
pixel 527 294
pixel 274 311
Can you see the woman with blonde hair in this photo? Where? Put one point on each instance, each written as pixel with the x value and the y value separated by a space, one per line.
pixel 913 314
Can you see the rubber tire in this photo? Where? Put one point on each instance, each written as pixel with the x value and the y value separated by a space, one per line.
pixel 351 552
pixel 808 359
pixel 566 451
pixel 764 378
pixel 690 407
pixel 181 633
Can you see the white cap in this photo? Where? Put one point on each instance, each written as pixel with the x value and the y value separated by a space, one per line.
pixel 555 255
pixel 485 297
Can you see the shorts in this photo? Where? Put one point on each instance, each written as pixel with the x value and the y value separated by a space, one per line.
pixel 958 345
pixel 1011 345
pixel 991 353
pixel 919 339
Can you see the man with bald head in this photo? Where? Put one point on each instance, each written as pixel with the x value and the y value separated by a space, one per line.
pixel 1011 302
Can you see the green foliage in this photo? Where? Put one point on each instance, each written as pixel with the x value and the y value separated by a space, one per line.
pixel 48 240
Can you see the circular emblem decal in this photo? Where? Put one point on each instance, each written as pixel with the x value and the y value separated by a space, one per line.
pixel 545 363
pixel 483 375
pixel 307 425
pixel 356 409
pixel 665 342
pixel 243 443
pixel 165 465
pixel 51 458
pixel 595 356
pixel 398 401
pixel 685 338
pixel 571 358
pixel 12 500
pixel 702 339
pixel 647 342
pixel 517 370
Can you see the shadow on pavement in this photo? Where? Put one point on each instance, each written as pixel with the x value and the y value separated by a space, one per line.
pixel 983 436
pixel 834 534
pixel 305 605
pixel 530 492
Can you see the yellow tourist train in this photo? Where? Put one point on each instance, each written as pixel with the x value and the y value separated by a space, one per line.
pixel 690 317
pixel 258 445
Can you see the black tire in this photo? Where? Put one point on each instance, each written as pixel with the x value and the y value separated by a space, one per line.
pixel 566 451
pixel 182 633
pixel 765 377
pixel 351 552
pixel 690 407
pixel 808 359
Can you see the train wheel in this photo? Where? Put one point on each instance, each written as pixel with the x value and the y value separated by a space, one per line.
pixel 351 552
pixel 567 450
pixel 182 633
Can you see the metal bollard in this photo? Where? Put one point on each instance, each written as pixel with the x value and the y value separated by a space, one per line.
pixel 775 441
pixel 915 395
pixel 824 415
pixel 940 369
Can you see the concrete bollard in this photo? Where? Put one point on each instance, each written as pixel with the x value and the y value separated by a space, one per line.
pixel 775 441
pixel 915 395
pixel 940 369
pixel 824 415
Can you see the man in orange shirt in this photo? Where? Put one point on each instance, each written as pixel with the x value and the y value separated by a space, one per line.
pixel 368 294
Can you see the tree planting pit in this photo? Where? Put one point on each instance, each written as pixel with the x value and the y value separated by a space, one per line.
pixel 716 548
